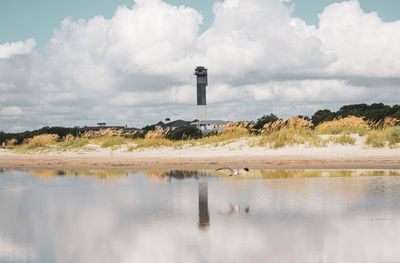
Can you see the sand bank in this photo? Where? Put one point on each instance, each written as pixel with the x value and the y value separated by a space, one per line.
pixel 299 157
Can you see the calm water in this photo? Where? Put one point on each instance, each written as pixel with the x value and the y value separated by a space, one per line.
pixel 199 216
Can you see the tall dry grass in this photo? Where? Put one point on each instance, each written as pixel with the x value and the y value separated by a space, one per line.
pixel 274 135
pixel 157 134
pixel 342 139
pixel 107 141
pixel 389 136
pixel 10 144
pixel 384 133
pixel 42 140
pixel 290 132
pixel 388 122
pixel 70 142
pixel 109 137
pixel 154 139
pixel 101 133
pixel 348 125
pixel 233 131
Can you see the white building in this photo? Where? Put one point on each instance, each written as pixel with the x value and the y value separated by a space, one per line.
pixel 208 126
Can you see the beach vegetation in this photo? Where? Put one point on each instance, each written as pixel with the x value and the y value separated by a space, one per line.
pixel 342 139
pixel 264 120
pixel 42 140
pixel 233 132
pixel 282 133
pixel 389 136
pixel 10 143
pixel 70 142
pixel 185 133
pixel 379 124
pixel 347 125
pixel 111 141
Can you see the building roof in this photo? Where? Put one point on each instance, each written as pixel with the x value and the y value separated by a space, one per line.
pixel 131 129
pixel 160 123
pixel 86 128
pixel 218 122
pixel 177 123
pixel 97 128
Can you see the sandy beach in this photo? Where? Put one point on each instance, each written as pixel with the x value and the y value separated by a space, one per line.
pixel 334 156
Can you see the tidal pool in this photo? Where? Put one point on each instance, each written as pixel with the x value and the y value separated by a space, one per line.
pixel 199 216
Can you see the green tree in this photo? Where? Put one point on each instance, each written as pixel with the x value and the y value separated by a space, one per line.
pixel 265 119
pixel 322 116
pixel 2 137
pixel 147 128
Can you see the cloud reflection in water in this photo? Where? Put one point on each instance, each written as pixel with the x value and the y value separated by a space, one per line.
pixel 181 216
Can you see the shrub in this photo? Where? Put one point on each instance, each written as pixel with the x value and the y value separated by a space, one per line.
pixel 185 133
pixel 322 116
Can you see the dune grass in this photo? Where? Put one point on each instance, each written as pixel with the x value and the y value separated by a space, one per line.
pixel 41 142
pixel 288 137
pixel 111 141
pixel 10 144
pixel 342 139
pixel 156 139
pixel 389 136
pixel 155 143
pixel 279 134
pixel 348 125
pixel 75 143
pixel 224 138
pixel 287 133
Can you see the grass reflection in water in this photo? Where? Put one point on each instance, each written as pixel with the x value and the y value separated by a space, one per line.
pixel 110 176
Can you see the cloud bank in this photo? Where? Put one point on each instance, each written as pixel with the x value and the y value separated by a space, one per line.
pixel 137 67
pixel 17 48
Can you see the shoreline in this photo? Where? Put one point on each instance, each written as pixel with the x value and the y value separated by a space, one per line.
pixel 337 157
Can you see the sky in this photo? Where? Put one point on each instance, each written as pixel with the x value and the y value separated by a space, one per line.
pixel 71 63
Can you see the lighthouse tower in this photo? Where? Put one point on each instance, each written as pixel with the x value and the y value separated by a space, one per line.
pixel 202 82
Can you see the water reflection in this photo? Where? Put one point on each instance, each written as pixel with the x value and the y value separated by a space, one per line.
pixel 236 209
pixel 111 176
pixel 192 216
pixel 204 216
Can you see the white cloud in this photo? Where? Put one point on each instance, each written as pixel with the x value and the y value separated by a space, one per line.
pixel 364 44
pixel 137 67
pixel 16 48
pixel 11 111
pixel 4 87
